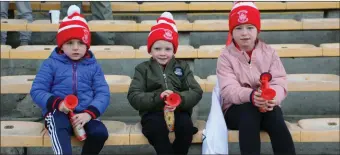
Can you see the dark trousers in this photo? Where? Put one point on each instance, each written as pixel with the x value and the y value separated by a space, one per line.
pixel 60 130
pixel 155 130
pixel 249 121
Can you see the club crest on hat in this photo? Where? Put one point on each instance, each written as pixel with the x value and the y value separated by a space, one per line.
pixel 242 16
pixel 85 38
pixel 168 34
pixel 178 71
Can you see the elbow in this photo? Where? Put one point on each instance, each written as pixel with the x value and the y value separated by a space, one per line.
pixel 200 92
pixel 107 90
pixel 104 91
pixel 199 96
pixel 224 93
pixel 107 101
pixel 32 94
pixel 35 93
pixel 135 106
pixel 32 91
pixel 106 98
pixel 107 95
pixel 132 102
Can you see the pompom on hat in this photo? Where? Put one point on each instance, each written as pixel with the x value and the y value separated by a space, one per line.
pixel 74 26
pixel 243 13
pixel 165 29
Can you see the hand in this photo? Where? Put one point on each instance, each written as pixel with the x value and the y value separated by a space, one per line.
pixel 258 100
pixel 166 93
pixel 271 104
pixel 80 119
pixel 63 108
pixel 169 108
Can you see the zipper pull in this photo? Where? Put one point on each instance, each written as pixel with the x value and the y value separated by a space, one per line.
pixel 166 81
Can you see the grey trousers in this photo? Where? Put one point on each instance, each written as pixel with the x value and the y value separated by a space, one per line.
pixel 24 12
pixel 100 11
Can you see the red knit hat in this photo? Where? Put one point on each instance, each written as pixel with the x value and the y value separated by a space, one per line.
pixel 243 13
pixel 165 29
pixel 74 26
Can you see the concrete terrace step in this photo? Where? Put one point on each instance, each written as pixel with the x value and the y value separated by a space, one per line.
pixel 182 25
pixel 297 82
pixel 120 83
pixel 32 134
pixel 119 133
pixel 184 51
pixel 22 84
pixel 191 6
pixel 192 16
pixel 331 49
pixel 5 51
pixel 21 133
pixel 324 127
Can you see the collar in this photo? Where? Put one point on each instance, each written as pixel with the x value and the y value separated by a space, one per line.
pixel 239 49
pixel 241 54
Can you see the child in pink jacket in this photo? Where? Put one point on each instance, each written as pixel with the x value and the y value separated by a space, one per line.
pixel 239 67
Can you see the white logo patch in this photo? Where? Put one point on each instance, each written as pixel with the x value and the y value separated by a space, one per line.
pixel 242 16
pixel 168 34
pixel 86 36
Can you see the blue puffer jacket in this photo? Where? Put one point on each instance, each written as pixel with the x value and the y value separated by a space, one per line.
pixel 59 76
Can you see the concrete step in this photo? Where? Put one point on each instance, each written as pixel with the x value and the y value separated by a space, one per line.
pixel 297 103
pixel 183 51
pixel 182 25
pixel 195 39
pixel 22 84
pixel 200 67
pixel 328 65
pixel 301 148
pixel 189 6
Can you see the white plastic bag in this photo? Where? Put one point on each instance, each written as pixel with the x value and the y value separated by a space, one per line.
pixel 215 134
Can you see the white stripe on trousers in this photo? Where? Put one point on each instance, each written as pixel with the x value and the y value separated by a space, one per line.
pixel 53 134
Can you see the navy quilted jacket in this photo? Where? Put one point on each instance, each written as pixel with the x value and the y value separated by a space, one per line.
pixel 59 76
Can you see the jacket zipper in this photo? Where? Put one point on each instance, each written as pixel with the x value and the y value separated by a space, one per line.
pixel 74 78
pixel 250 69
pixel 251 74
pixel 164 77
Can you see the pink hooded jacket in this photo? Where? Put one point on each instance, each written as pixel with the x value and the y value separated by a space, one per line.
pixel 237 78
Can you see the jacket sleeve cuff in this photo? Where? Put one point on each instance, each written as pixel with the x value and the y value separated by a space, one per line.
pixel 251 99
pixel 53 103
pixel 157 98
pixel 93 111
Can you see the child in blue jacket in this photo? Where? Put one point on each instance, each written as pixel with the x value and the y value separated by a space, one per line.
pixel 72 69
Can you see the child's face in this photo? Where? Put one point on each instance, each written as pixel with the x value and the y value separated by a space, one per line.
pixel 245 35
pixel 162 51
pixel 74 49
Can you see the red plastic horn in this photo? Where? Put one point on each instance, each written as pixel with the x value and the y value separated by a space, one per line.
pixel 267 92
pixel 173 100
pixel 71 102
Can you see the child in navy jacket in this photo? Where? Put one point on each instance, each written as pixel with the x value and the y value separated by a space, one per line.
pixel 72 69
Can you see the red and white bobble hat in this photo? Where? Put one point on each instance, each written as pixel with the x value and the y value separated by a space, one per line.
pixel 243 13
pixel 74 26
pixel 165 29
